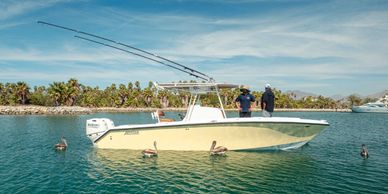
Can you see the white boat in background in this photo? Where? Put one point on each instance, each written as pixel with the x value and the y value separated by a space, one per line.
pixel 203 125
pixel 380 106
pixel 372 107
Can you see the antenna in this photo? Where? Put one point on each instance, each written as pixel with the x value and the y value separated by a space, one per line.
pixel 172 64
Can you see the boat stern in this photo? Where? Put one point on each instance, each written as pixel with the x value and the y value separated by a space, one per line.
pixel 97 126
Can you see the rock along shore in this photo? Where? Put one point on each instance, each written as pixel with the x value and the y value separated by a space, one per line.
pixel 75 110
pixel 43 110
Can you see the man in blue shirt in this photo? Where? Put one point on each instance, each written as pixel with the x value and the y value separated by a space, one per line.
pixel 243 102
pixel 267 101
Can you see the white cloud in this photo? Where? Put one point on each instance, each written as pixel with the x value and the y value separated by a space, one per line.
pixel 11 8
pixel 70 53
pixel 88 74
pixel 10 25
pixel 356 52
pixel 355 41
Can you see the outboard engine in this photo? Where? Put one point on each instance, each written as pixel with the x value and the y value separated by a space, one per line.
pixel 96 127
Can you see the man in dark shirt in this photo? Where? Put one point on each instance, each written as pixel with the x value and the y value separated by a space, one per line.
pixel 267 101
pixel 243 102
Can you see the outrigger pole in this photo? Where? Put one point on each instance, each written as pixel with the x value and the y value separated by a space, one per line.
pixel 127 51
pixel 175 65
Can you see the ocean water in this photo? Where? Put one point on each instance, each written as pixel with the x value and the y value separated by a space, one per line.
pixel 329 164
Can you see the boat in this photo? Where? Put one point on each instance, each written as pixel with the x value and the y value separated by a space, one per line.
pixel 380 106
pixel 372 107
pixel 201 125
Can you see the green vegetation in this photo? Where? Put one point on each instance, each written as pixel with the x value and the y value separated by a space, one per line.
pixel 72 93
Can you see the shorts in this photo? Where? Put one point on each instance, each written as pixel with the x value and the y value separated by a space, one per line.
pixel 245 114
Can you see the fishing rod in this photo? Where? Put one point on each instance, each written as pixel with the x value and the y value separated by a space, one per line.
pixel 137 54
pixel 193 71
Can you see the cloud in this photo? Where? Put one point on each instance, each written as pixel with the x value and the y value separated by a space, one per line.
pixel 10 25
pixel 358 47
pixel 11 8
pixel 296 46
pixel 86 74
pixel 71 53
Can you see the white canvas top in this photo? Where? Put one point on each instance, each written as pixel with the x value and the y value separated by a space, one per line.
pixel 195 87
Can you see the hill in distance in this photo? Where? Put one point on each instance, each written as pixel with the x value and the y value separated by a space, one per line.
pixel 297 94
pixel 378 95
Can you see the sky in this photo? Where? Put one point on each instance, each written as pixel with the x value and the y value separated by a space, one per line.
pixel 323 47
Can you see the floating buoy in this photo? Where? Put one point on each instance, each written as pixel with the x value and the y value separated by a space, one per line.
pixel 218 151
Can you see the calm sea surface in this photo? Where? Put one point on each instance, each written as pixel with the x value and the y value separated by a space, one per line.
pixel 329 164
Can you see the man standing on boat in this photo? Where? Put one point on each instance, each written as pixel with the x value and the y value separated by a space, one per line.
pixel 243 102
pixel 267 101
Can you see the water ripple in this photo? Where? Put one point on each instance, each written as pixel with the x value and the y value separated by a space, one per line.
pixel 329 164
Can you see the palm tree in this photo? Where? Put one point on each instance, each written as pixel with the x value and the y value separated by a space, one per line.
pixel 163 98
pixel 73 88
pixel 147 95
pixel 131 97
pixel 134 100
pixel 123 94
pixel 3 94
pixel 22 92
pixel 130 86
pixel 354 100
pixel 90 97
pixel 368 99
pixel 56 92
pixel 137 85
pixel 185 97
pixel 227 95
pixel 39 96
pixel 112 96
pixel 72 93
pixel 150 84
pixel 11 94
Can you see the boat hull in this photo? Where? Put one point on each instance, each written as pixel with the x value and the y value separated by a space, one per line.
pixel 192 137
pixel 363 109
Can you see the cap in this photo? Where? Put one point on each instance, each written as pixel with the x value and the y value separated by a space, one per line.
pixel 267 86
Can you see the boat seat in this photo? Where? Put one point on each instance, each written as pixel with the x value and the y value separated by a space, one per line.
pixel 166 120
pixel 161 116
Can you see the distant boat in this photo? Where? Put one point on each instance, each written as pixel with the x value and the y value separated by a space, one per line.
pixel 372 107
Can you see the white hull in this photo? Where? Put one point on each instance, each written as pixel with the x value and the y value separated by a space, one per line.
pixel 365 109
pixel 203 125
pixel 234 133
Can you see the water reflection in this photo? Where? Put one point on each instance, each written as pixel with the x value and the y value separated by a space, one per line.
pixel 330 164
pixel 197 171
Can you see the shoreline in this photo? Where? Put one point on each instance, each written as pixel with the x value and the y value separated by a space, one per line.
pixel 77 110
